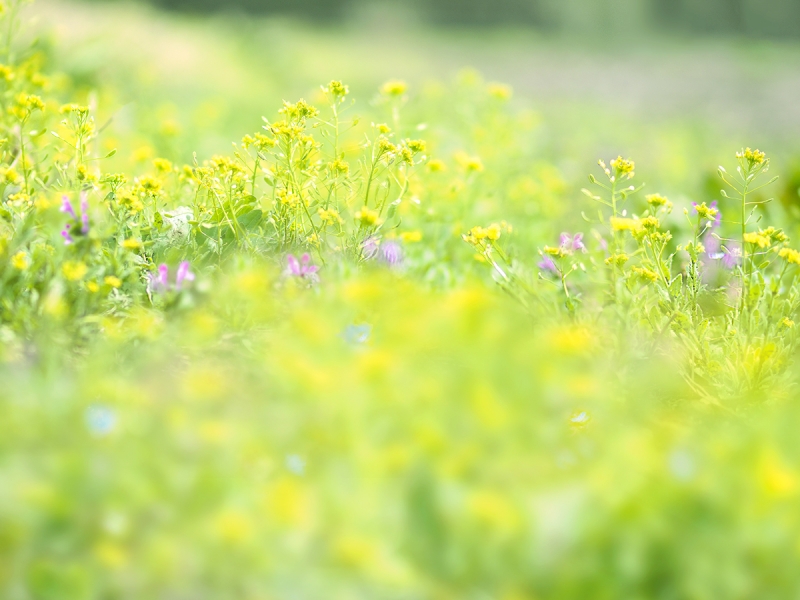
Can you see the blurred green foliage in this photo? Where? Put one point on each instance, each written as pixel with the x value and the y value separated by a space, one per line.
pixel 778 18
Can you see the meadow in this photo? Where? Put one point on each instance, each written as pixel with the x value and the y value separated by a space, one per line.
pixel 290 312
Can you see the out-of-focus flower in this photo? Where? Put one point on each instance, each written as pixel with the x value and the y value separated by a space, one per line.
pixel 391 253
pixel 296 464
pixel 572 242
pixel 302 268
pixel 184 274
pixel 547 264
pixel 356 334
pixel 159 282
pixel 100 420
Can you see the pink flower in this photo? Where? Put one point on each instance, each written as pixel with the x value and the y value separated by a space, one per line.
pixel 302 268
pixel 183 274
pixel 572 243
pixel 159 282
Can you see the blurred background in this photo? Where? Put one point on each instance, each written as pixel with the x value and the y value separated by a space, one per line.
pixel 677 85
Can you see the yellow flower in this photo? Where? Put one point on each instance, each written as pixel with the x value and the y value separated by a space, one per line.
pixel 623 224
pixel 394 88
pixel 93 287
pixel 411 236
pixel 757 239
pixel 753 157
pixel 790 255
pixel 112 281
pixel 500 91
pixel 367 217
pixel 623 167
pixel 20 261
pixel 162 165
pixel 657 201
pixel 436 166
pixel 471 164
pixel 131 244
pixel 493 231
pixel 646 275
pixel 74 270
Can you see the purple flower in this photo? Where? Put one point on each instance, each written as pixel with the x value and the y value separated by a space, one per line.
pixel 184 274
pixel 731 256
pixel 67 237
pixel 302 268
pixel 547 264
pixel 66 207
pixel 391 253
pixel 572 243
pixel 369 247
pixel 84 213
pixel 159 282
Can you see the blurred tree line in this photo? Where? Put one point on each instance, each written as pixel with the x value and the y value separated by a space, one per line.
pixel 764 18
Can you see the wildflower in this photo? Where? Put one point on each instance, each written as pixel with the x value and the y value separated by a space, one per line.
pixel 369 248
pixel 658 201
pixel 757 239
pixel 112 281
pixel 100 420
pixel 623 167
pixel 709 213
pixel 84 213
pixel 623 224
pixel 394 88
pixel 556 251
pixel 644 274
pixel 356 334
pixel 20 261
pixel 572 243
pixel 367 217
pixel 295 464
pixel 337 89
pixel 547 264
pixel 416 146
pixel 302 268
pixel 391 253
pixel 436 166
pixel 499 91
pixel 790 255
pixel 162 165
pixel 183 274
pixel 411 236
pixel 787 322
pixel 66 207
pixel 131 244
pixel 74 271
pixel 65 234
pixel 471 164
pixel 731 255
pixel 617 259
pixel 339 167
pixel 329 216
pixel 753 157
pixel 159 282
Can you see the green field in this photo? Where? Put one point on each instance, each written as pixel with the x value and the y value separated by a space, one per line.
pixel 297 311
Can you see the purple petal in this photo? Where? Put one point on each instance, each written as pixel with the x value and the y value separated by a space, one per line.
pixel 183 274
pixel 163 275
pixel 66 207
pixel 294 266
